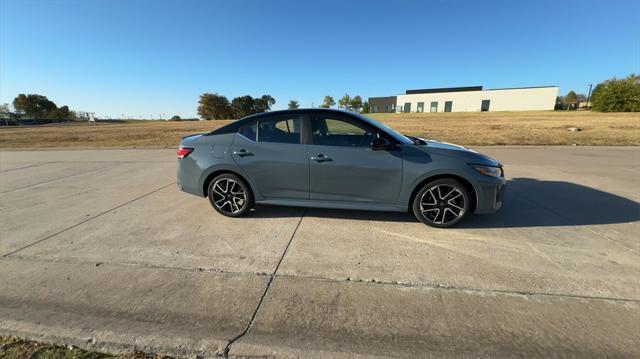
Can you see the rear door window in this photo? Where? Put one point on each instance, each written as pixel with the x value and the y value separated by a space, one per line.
pixel 249 131
pixel 279 130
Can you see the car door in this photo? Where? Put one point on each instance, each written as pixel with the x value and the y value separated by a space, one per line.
pixel 343 166
pixel 269 150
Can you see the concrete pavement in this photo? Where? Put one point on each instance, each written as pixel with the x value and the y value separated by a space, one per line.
pixel 100 249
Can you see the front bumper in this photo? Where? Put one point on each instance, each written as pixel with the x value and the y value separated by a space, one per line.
pixel 490 195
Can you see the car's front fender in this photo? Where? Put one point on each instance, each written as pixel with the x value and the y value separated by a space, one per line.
pixel 413 185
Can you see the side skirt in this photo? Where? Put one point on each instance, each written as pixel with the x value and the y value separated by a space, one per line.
pixel 336 205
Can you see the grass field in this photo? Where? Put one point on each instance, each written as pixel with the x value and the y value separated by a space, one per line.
pixel 486 128
pixel 17 348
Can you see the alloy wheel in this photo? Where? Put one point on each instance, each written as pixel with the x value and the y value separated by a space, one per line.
pixel 229 196
pixel 442 204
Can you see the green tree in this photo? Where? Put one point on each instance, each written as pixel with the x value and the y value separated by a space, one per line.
pixel 73 116
pixel 243 106
pixel 570 100
pixel 263 104
pixel 356 103
pixel 60 114
pixel 5 112
pixel 175 118
pixel 617 95
pixel 345 102
pixel 213 107
pixel 294 105
pixel 328 102
pixel 33 106
pixel 6 116
pixel 65 112
pixel 365 107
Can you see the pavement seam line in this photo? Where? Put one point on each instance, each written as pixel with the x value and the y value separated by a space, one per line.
pixel 25 167
pixel 19 258
pixel 436 286
pixel 432 286
pixel 57 179
pixel 87 220
pixel 227 348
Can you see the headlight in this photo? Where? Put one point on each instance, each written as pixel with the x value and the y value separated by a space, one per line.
pixel 490 171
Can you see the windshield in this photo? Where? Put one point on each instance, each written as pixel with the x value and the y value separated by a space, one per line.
pixel 395 134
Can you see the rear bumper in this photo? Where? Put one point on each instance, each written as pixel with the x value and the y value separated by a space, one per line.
pixel 187 177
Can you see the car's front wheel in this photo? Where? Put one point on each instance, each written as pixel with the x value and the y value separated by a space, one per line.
pixel 441 203
pixel 230 195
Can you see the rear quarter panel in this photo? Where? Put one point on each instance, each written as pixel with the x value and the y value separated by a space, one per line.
pixel 211 154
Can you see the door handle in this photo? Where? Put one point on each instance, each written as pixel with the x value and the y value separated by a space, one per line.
pixel 320 158
pixel 242 153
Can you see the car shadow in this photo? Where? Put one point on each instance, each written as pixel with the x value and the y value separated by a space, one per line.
pixel 528 202
pixel 262 211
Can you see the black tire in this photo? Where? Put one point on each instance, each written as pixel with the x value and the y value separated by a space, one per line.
pixel 224 194
pixel 441 203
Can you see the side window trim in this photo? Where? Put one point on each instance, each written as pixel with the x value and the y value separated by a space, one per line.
pixel 306 137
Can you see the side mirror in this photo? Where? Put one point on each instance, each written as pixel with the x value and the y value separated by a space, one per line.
pixel 380 143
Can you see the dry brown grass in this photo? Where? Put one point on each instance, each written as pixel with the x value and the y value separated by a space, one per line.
pixel 18 348
pixel 125 134
pixel 521 128
pixel 487 128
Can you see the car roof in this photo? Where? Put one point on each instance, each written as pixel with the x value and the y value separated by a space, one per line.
pixel 299 110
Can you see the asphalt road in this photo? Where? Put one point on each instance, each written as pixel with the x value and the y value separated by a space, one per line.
pixel 99 249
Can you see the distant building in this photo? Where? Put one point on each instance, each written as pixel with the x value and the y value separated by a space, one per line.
pixel 583 105
pixel 382 104
pixel 468 99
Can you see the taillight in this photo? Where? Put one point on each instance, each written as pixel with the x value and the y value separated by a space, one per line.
pixel 184 152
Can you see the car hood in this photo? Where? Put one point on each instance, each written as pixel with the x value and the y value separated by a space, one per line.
pixel 471 156
pixel 446 146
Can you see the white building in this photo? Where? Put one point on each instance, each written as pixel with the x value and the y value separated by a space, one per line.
pixel 468 99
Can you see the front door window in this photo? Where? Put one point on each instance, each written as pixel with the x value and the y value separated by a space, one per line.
pixel 335 132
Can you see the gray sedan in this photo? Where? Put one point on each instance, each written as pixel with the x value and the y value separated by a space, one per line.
pixel 335 159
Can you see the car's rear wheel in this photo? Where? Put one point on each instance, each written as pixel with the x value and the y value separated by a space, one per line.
pixel 441 203
pixel 230 195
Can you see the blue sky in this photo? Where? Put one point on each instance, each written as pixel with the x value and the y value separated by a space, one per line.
pixel 145 58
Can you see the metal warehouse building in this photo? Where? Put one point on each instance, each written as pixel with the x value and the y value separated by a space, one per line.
pixel 468 99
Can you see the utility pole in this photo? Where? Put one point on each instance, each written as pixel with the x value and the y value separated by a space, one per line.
pixel 589 96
